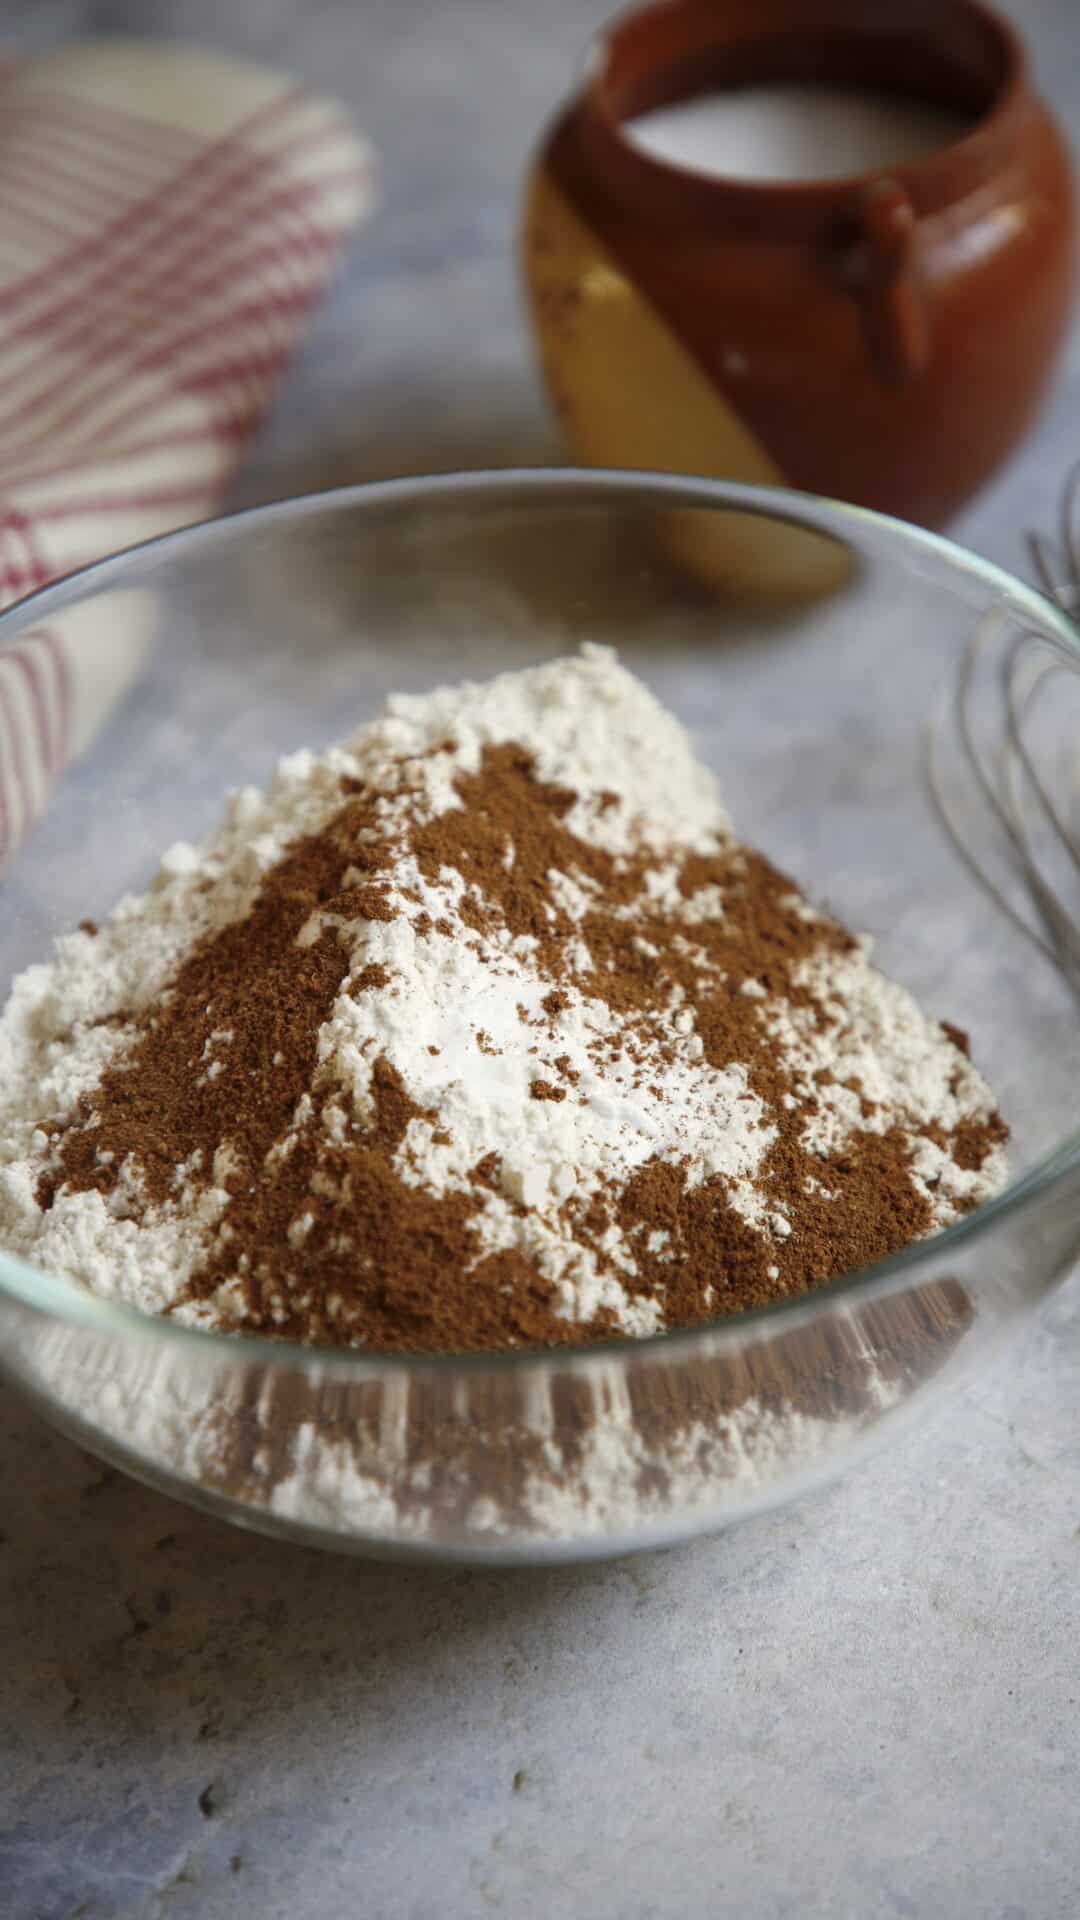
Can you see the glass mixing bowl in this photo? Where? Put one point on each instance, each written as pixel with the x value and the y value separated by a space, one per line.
pixel 289 625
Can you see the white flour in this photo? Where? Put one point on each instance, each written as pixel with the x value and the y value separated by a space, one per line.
pixel 461 1020
pixel 391 1479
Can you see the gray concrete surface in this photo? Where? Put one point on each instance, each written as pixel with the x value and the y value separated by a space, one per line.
pixel 865 1706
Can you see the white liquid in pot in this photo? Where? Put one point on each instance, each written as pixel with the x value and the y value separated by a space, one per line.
pixel 793 132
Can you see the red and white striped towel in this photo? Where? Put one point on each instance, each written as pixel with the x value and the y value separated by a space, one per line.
pixel 167 219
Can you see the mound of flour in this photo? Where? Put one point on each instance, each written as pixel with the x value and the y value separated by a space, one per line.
pixel 479 1030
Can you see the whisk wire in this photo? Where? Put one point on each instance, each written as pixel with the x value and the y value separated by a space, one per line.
pixel 1017 712
pixel 1070 535
pixel 951 704
pixel 988 719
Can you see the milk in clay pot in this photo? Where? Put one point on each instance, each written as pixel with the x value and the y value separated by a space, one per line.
pixel 800 243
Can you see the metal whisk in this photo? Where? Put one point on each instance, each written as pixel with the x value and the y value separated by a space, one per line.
pixel 1003 759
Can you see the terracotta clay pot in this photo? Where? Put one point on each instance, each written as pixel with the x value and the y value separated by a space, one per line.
pixel 883 338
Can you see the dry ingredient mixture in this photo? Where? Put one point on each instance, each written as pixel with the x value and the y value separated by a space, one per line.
pixel 481 1030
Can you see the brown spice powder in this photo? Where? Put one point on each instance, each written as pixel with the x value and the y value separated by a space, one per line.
pixel 326 1241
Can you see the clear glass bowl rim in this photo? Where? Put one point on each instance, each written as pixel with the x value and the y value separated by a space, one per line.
pixel 66 1301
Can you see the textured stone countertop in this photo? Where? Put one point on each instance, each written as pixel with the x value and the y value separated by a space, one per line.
pixel 866 1705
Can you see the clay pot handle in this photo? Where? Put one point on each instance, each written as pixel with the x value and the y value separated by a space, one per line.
pixel 880 271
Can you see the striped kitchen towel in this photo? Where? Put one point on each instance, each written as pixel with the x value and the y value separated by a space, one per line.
pixel 167 219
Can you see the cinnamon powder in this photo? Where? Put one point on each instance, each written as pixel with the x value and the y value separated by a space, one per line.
pixel 324 1238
